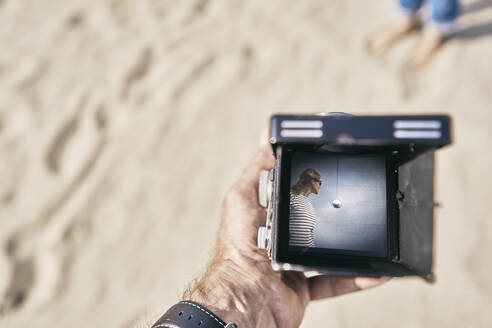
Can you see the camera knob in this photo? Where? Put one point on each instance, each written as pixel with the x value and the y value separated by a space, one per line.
pixel 262 238
pixel 264 188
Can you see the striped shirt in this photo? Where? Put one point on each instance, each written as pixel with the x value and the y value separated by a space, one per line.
pixel 301 221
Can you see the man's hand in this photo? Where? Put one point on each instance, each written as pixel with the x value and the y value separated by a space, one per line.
pixel 239 284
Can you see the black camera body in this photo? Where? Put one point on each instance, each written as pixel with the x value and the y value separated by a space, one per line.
pixel 352 195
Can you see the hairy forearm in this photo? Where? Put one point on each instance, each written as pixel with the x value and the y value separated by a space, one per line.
pixel 236 291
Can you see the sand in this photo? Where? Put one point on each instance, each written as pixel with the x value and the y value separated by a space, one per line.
pixel 122 124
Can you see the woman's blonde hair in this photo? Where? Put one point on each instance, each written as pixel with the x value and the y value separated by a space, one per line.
pixel 305 179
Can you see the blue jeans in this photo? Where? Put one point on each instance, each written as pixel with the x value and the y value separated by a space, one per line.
pixel 443 13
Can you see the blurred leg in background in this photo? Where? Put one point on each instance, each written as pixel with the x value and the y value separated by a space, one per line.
pixel 407 21
pixel 440 25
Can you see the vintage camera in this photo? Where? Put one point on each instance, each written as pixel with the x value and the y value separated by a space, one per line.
pixel 352 195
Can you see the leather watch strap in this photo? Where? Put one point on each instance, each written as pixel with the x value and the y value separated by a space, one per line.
pixel 188 314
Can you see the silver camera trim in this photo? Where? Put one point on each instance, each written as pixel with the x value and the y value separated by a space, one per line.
pixel 265 198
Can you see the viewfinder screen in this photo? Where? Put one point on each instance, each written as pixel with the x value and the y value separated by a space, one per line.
pixel 338 204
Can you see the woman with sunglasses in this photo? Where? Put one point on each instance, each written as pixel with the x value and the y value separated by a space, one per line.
pixel 302 217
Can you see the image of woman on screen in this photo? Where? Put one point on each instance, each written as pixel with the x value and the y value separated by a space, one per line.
pixel 302 215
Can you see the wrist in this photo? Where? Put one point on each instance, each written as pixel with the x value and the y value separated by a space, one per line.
pixel 235 292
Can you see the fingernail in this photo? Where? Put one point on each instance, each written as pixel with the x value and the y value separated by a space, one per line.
pixel 364 283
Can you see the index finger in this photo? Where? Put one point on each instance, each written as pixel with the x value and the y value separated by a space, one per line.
pixel 322 286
